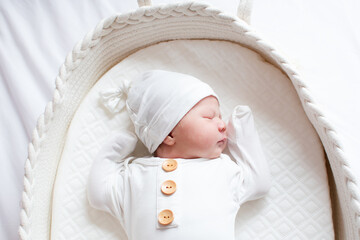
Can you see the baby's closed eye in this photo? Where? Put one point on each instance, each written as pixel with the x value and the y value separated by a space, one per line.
pixel 208 117
pixel 211 116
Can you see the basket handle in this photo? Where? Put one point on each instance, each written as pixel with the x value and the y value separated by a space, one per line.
pixel 243 9
pixel 142 3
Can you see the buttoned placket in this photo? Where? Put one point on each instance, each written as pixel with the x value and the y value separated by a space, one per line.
pixel 168 194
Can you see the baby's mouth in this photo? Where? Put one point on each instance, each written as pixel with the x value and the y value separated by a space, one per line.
pixel 223 140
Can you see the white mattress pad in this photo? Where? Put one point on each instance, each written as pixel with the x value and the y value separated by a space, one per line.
pixel 298 205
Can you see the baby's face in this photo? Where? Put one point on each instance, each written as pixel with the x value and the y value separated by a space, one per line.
pixel 201 132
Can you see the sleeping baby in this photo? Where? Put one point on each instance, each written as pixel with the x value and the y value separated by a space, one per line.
pixel 188 188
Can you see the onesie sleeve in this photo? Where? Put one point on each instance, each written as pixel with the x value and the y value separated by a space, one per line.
pixel 105 187
pixel 244 145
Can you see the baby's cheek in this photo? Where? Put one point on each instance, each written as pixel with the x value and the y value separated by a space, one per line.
pixel 198 140
pixel 207 140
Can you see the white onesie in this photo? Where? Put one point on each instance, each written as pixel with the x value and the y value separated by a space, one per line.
pixel 194 199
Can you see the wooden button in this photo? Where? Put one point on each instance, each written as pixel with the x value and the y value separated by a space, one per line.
pixel 169 165
pixel 166 217
pixel 168 187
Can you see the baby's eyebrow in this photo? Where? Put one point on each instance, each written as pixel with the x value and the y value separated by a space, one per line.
pixel 215 111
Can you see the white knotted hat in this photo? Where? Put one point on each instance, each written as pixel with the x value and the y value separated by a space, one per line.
pixel 156 101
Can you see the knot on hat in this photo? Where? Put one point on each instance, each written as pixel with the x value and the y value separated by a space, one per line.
pixel 114 99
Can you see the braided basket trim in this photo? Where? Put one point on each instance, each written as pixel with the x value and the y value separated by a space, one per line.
pixel 147 14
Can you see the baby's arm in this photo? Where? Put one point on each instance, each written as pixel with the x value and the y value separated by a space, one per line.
pixel 244 145
pixel 105 182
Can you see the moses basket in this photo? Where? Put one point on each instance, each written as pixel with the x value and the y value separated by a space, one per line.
pixel 314 195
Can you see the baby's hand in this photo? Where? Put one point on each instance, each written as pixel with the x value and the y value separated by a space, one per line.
pixel 119 146
pixel 239 118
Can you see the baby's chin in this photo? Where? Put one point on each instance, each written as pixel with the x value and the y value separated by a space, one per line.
pixel 215 154
pixel 212 153
pixel 209 155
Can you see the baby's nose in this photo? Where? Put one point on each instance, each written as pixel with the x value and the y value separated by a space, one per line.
pixel 222 126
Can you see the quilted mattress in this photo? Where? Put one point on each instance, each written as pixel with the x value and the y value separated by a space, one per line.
pixel 298 205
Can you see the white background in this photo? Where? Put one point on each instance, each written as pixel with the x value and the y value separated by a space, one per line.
pixel 322 38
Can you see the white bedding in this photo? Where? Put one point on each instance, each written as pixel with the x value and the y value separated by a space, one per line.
pixel 321 37
pixel 298 205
